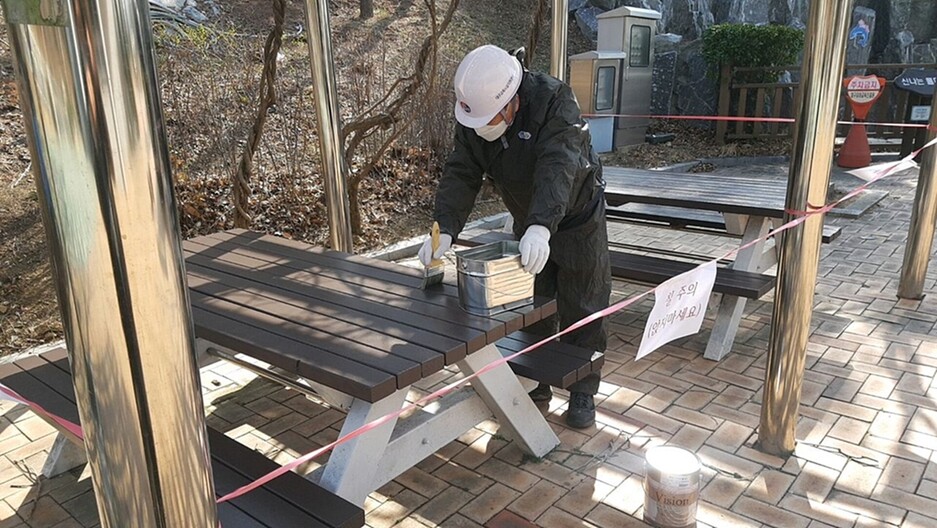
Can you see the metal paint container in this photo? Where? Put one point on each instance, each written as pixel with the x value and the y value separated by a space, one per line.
pixel 491 279
pixel 671 487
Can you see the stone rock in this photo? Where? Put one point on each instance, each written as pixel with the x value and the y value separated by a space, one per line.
pixel 916 16
pixel 653 5
pixel 924 52
pixel 788 12
pixel 905 40
pixel 174 5
pixel 664 42
pixel 797 24
pixel 588 23
pixel 189 8
pixel 194 14
pixel 575 5
pixel 779 12
pixel 689 18
pixel 605 5
pixel 211 5
pixel 748 11
pixel 721 11
pixel 800 10
pixel 859 46
pixel 662 82
pixel 695 92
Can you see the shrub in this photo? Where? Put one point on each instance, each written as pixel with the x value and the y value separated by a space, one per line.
pixel 748 45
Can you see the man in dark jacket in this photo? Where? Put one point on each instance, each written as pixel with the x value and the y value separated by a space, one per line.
pixel 524 130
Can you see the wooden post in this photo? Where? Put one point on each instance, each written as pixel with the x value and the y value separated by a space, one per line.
pixel 725 83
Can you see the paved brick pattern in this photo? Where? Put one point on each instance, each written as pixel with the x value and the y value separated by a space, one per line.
pixel 867 433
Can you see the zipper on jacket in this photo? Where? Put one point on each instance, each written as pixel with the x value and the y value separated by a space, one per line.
pixel 504 142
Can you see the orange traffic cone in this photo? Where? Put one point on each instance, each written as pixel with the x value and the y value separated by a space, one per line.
pixel 855 152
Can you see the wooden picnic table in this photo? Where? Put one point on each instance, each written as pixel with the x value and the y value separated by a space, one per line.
pixel 763 197
pixel 359 332
pixel 749 205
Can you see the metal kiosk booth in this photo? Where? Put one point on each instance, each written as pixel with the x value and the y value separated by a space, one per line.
pixel 616 78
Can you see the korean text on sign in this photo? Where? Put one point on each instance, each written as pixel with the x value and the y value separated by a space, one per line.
pixel 679 308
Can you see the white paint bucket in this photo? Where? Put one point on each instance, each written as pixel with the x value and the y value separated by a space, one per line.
pixel 671 487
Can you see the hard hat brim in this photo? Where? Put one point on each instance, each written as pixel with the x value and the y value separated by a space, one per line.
pixel 480 121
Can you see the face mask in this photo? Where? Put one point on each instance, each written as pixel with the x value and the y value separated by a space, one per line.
pixel 492 132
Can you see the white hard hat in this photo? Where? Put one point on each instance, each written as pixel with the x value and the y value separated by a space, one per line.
pixel 485 82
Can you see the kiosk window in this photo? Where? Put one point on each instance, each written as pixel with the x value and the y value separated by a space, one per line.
pixel 604 88
pixel 640 54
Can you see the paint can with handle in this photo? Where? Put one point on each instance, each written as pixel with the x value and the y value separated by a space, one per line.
pixel 671 487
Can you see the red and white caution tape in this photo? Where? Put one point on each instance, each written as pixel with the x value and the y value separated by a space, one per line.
pixel 9 394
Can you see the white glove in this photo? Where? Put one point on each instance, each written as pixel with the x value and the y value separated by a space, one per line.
pixel 535 249
pixel 426 256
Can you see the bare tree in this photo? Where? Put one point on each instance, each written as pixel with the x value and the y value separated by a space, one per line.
pixel 387 113
pixel 268 96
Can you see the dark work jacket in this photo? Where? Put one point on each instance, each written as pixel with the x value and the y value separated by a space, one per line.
pixel 543 167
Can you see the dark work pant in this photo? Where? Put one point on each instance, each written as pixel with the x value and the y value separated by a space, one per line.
pixel 579 277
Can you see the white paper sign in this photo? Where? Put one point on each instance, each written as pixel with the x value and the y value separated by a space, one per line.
pixel 679 308
pixel 920 113
pixel 874 171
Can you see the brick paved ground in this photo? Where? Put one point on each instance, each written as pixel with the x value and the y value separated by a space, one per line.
pixel 866 437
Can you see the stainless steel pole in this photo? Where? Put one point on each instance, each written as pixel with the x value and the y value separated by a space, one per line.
pixel 815 131
pixel 923 216
pixel 329 118
pixel 558 39
pixel 88 90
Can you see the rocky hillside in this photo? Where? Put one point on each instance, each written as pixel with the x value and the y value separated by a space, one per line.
pixel 905 32
pixel 886 31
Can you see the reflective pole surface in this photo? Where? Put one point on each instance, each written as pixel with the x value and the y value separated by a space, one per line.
pixel 87 87
pixel 815 131
pixel 558 39
pixel 923 216
pixel 329 118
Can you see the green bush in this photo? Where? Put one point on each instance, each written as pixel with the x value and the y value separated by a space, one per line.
pixel 748 45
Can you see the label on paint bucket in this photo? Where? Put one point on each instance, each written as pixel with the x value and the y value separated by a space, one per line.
pixel 671 487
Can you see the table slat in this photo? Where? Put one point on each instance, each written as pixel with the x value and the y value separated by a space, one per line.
pixel 342 374
pixel 343 325
pixel 391 272
pixel 362 286
pixel 731 194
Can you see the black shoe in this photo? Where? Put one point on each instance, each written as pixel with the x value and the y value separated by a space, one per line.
pixel 543 393
pixel 581 411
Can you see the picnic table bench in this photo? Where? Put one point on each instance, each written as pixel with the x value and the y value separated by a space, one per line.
pixel 359 333
pixel 286 502
pixel 744 208
pixel 709 222
pixel 554 363
pixel 649 269
pixel 748 206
